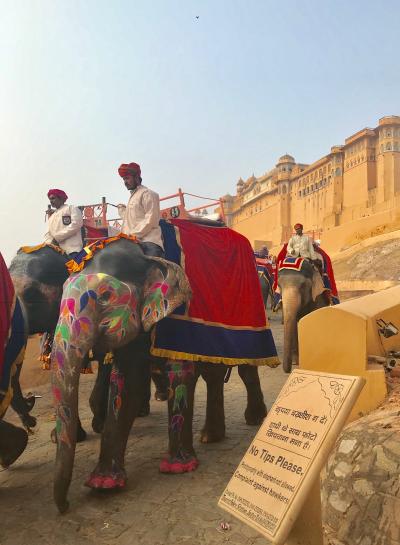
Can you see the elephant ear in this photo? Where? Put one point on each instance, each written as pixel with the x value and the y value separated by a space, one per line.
pixel 165 288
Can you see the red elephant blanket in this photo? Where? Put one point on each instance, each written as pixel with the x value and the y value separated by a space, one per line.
pixel 225 321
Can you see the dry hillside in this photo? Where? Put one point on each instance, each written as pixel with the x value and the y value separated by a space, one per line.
pixel 379 261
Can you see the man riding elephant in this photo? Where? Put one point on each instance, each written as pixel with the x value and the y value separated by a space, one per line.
pixel 141 218
pixel 300 286
pixel 118 294
pixel 65 223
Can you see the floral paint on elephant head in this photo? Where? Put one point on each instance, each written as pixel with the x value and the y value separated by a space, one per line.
pixel 92 305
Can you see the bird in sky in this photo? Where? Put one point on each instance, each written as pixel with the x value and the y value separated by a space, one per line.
pixel 197 16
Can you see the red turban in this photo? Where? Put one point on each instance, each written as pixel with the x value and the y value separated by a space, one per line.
pixel 298 226
pixel 57 193
pixel 129 169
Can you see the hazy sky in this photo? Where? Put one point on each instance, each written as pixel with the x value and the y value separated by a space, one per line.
pixel 86 85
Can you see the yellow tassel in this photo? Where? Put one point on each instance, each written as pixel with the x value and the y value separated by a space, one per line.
pixel 109 358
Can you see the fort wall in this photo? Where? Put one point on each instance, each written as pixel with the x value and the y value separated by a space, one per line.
pixel 350 194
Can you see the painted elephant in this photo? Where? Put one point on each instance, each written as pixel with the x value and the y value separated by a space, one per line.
pixel 120 294
pixel 38 279
pixel 302 292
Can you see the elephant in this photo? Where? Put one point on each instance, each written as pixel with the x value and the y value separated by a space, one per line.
pixel 111 305
pixel 13 332
pixel 301 295
pixel 38 279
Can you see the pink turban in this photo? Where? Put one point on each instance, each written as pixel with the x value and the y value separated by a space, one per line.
pixel 129 169
pixel 57 193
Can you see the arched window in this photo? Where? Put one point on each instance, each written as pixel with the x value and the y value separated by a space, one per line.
pixel 338 172
pixel 396 146
pixel 388 146
pixel 284 190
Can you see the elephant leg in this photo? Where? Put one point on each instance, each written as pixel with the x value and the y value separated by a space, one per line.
pixel 127 383
pixel 20 404
pixel 13 441
pixel 256 410
pixel 214 427
pixel 98 400
pixel 160 378
pixel 292 301
pixel 146 395
pixel 181 456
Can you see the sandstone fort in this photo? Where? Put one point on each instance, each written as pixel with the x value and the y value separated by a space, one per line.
pixel 350 194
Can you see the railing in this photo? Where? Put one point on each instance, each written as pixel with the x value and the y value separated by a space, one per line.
pixel 95 215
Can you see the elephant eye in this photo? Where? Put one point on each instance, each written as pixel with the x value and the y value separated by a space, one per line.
pixel 105 297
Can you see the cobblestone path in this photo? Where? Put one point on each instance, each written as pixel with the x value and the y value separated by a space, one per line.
pixel 154 509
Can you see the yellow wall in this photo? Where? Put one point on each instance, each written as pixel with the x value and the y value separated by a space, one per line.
pixel 341 339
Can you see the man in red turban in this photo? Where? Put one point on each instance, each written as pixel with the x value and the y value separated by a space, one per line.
pixel 65 223
pixel 129 169
pixel 141 216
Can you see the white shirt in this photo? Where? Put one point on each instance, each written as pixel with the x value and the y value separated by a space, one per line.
pixel 301 246
pixel 65 227
pixel 142 215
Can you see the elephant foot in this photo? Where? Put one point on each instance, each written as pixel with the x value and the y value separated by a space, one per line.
pixel 161 395
pixel 254 416
pixel 144 410
pixel 101 480
pixel 182 463
pixel 211 436
pixel 17 439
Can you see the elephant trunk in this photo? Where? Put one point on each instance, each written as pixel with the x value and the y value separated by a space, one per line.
pixel 291 303
pixel 66 400
pixel 74 336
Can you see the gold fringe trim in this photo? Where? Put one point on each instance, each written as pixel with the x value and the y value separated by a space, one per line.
pixel 172 354
pixel 108 358
pixel 31 249
pixel 91 249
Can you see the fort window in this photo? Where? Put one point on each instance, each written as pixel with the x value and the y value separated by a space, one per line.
pixel 388 146
pixel 396 146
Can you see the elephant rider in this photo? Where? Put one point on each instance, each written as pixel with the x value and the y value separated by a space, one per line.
pixel 262 253
pixel 65 223
pixel 141 216
pixel 300 245
pixel 64 230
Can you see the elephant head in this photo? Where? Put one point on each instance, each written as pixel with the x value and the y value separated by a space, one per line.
pixel 103 310
pixel 38 278
pixel 302 292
